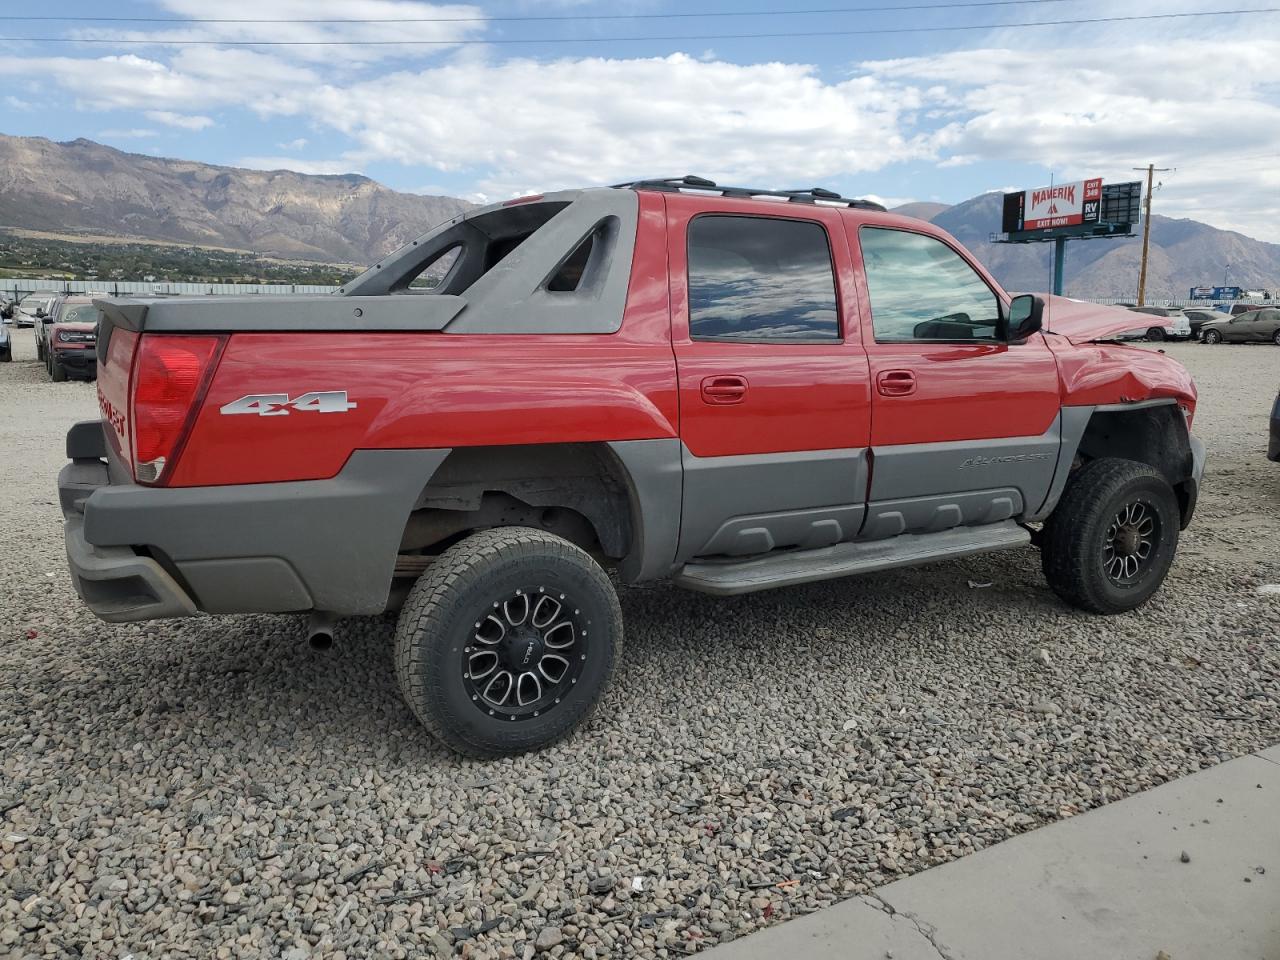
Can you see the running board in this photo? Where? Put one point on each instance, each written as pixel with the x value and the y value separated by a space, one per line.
pixel 727 578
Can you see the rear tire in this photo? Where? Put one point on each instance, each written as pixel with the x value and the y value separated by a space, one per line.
pixel 1212 336
pixel 1156 334
pixel 1275 338
pixel 57 372
pixel 513 602
pixel 1109 543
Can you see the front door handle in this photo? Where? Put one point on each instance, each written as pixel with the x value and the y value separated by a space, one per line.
pixel 719 391
pixel 896 383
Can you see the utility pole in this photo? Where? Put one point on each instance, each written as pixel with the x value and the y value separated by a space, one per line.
pixel 1146 232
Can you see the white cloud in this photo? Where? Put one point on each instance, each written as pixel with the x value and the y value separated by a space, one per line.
pixel 1088 112
pixel 184 121
pixel 301 166
pixel 538 125
pixel 504 127
pixel 135 133
pixel 14 103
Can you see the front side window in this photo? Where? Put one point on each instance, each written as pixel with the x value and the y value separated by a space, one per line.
pixel 761 278
pixel 922 290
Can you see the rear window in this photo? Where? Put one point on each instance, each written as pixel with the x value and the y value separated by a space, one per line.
pixel 761 278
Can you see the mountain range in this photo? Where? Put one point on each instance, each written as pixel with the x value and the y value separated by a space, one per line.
pixel 82 188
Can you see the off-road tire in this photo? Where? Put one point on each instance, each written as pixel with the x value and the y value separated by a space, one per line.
pixel 1156 334
pixel 57 372
pixel 440 618
pixel 1212 336
pixel 1075 535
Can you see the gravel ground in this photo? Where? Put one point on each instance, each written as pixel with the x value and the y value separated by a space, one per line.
pixel 213 787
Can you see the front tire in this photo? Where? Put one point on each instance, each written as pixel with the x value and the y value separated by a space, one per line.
pixel 1156 334
pixel 1275 338
pixel 1109 543
pixel 57 372
pixel 507 642
pixel 1212 336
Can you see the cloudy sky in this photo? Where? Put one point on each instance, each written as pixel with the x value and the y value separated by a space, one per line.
pixel 898 99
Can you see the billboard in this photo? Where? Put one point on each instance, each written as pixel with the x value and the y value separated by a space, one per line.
pixel 1046 208
pixel 1215 293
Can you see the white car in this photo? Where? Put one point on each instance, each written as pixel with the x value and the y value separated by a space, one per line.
pixel 1181 329
pixel 31 307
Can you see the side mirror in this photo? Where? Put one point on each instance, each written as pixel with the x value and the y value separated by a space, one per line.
pixel 1026 314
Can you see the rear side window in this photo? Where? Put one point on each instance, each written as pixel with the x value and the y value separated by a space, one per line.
pixel 922 290
pixel 761 278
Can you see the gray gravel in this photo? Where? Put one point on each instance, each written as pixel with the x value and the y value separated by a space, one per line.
pixel 212 787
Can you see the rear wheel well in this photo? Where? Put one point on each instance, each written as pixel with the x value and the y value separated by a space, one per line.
pixel 575 490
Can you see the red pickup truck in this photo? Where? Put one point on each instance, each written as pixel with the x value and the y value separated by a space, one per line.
pixel 736 389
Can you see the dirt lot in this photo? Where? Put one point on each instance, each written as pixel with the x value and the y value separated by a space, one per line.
pixel 212 787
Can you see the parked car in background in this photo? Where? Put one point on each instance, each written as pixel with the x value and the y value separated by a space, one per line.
pixel 6 346
pixel 71 349
pixel 1180 330
pixel 32 306
pixel 1239 308
pixel 1257 325
pixel 6 307
pixel 1199 316
pixel 41 328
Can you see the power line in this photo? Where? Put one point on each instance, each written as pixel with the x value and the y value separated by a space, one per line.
pixel 535 17
pixel 642 39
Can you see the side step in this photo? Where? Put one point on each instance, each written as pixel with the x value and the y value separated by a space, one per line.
pixel 727 578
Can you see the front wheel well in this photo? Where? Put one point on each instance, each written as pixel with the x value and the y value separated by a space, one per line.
pixel 1155 435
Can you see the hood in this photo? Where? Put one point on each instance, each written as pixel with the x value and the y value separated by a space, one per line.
pixel 80 327
pixel 1082 322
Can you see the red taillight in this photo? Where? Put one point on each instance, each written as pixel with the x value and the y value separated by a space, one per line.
pixel 170 376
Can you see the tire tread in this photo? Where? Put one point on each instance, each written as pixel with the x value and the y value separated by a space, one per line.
pixel 433 598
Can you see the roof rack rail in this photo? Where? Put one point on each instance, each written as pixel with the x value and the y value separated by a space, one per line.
pixel 691 182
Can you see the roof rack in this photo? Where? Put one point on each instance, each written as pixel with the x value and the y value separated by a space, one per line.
pixel 691 182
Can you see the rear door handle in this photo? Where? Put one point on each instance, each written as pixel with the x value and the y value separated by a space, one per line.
pixel 896 383
pixel 719 391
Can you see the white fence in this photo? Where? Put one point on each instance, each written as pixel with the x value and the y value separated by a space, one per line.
pixel 124 288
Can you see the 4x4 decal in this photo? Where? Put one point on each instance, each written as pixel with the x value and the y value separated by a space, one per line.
pixel 279 404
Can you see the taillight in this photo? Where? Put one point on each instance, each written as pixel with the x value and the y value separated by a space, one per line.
pixel 170 376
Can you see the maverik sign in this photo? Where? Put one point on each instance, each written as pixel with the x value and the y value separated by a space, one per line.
pixel 1045 208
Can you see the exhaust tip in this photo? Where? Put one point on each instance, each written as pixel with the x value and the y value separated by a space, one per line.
pixel 320 630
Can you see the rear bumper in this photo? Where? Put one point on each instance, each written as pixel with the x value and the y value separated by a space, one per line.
pixel 145 553
pixel 1273 446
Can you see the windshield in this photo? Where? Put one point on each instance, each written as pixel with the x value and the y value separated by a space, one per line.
pixel 82 313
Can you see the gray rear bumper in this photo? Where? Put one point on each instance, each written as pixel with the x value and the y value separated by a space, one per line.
pixel 143 553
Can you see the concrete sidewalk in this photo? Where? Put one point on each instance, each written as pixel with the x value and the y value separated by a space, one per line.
pixel 1109 884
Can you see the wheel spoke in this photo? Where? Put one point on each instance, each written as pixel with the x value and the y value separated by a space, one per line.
pixel 545 612
pixel 559 666
pixel 528 689
pixel 482 663
pixel 485 630
pixel 503 680
pixel 559 637
pixel 518 604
